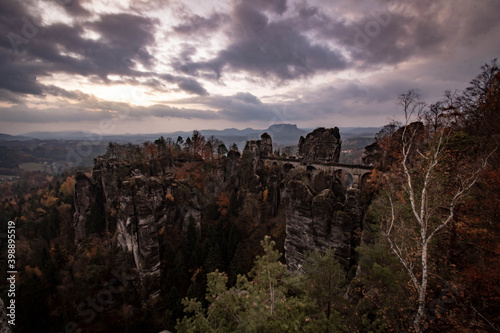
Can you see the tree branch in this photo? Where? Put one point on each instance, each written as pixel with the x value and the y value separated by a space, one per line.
pixel 397 251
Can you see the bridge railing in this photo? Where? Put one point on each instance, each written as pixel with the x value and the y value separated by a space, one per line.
pixel 305 163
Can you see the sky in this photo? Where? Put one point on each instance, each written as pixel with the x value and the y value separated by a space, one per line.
pixel 139 66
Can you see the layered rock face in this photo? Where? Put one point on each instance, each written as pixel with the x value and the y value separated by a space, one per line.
pixel 133 208
pixel 373 155
pixel 320 212
pixel 255 150
pixel 142 212
pixel 82 205
pixel 261 148
pixel 321 145
pixel 320 221
pixel 4 320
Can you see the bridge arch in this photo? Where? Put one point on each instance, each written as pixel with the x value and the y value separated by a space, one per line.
pixel 364 179
pixel 310 168
pixel 347 178
pixel 287 167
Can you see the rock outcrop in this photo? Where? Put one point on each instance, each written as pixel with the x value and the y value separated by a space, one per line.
pixel 320 221
pixel 142 212
pixel 299 238
pixel 82 205
pixel 252 156
pixel 320 211
pixel 321 145
pixel 373 155
pixel 260 148
pixel 4 320
pixel 133 207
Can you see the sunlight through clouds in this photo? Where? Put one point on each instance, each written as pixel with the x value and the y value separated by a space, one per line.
pixel 285 53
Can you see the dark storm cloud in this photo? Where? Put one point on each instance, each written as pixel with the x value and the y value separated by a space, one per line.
pixel 19 78
pixel 163 111
pixel 186 84
pixel 276 6
pixel 97 110
pixel 196 24
pixel 23 114
pixel 247 98
pixel 59 48
pixel 60 92
pixel 241 107
pixel 132 30
pixel 274 50
pixel 245 107
pixel 382 35
pixel 396 31
pixel 9 96
pixel 73 7
pixel 16 76
pixel 124 38
pixel 192 86
pixel 346 98
pixel 11 13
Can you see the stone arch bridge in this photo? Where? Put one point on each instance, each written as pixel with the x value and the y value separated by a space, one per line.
pixel 351 174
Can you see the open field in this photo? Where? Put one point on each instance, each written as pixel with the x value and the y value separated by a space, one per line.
pixel 32 166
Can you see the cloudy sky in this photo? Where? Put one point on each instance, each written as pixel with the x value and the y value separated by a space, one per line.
pixel 132 66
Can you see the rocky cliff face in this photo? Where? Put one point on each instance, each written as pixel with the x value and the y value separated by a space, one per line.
pixel 142 212
pixel 4 320
pixel 132 208
pixel 321 145
pixel 82 205
pixel 373 155
pixel 320 212
pixel 253 153
pixel 320 221
pixel 260 148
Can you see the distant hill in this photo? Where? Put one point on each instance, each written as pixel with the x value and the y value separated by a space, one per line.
pixel 282 134
pixel 8 137
pixel 350 132
pixel 286 133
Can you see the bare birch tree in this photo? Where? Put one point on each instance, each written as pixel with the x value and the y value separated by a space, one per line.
pixel 427 205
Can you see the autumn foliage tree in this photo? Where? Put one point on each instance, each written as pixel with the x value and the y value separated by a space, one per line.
pixel 436 170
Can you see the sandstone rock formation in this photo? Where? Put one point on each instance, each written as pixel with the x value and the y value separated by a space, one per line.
pixel 260 148
pixel 142 211
pixel 4 325
pixel 321 145
pixel 82 205
pixel 132 207
pixel 320 221
pixel 373 155
pixel 298 223
pixel 132 202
